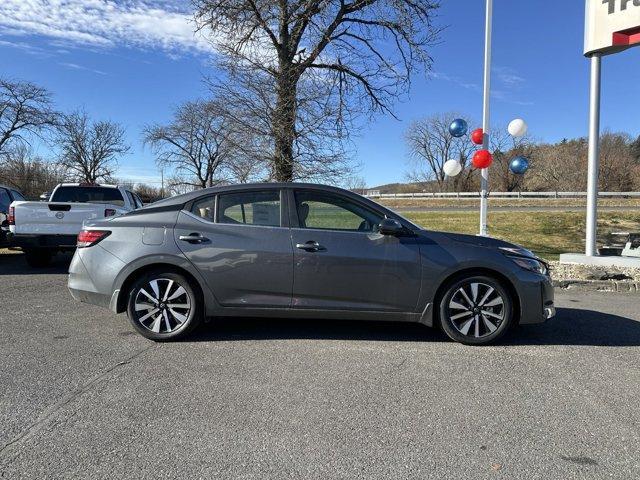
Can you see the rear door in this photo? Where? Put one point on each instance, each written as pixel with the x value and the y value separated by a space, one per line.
pixel 342 262
pixel 241 244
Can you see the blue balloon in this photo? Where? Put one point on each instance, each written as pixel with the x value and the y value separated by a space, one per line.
pixel 458 128
pixel 519 165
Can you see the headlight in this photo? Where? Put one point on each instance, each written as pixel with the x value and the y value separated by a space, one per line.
pixel 518 251
pixel 531 264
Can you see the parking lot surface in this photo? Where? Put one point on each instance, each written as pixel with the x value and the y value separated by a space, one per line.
pixel 82 396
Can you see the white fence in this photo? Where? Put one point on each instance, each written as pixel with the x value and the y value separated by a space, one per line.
pixel 376 194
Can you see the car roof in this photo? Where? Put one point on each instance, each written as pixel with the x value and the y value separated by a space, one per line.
pixel 86 185
pixel 187 197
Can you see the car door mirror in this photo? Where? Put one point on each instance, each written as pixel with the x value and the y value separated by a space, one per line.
pixel 389 226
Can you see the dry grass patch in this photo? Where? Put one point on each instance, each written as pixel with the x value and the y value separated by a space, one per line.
pixel 548 234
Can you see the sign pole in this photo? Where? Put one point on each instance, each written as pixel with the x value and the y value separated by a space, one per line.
pixel 594 154
pixel 486 117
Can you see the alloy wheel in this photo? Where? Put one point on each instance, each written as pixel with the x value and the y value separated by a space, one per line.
pixel 162 305
pixel 476 309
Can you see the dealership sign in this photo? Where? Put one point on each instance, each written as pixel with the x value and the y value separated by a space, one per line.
pixel 611 25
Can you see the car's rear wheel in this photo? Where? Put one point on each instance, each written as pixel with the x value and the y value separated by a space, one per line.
pixel 38 257
pixel 164 306
pixel 476 310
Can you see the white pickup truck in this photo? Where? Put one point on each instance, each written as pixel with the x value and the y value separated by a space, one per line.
pixel 43 228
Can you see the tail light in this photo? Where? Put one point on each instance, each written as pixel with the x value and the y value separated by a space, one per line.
pixel 88 238
pixel 11 218
pixel 109 212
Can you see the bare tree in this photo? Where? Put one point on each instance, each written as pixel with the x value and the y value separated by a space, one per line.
pixel 359 53
pixel 194 144
pixel 25 110
pixel 28 173
pixel 89 150
pixel 430 145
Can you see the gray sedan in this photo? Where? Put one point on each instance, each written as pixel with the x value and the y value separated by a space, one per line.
pixel 303 251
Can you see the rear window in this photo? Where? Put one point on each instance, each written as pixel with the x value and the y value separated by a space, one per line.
pixel 17 196
pixel 111 196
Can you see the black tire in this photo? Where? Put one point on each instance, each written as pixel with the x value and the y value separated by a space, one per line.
pixel 38 257
pixel 156 319
pixel 463 317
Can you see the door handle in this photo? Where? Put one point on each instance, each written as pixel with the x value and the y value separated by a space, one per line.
pixel 192 238
pixel 310 246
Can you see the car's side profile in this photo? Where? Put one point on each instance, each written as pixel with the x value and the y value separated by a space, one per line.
pixel 303 251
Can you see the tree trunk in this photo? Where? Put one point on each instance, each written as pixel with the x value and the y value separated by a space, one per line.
pixel 284 125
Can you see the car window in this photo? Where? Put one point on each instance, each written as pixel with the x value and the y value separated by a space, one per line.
pixel 250 208
pixel 17 196
pixel 332 212
pixel 204 208
pixel 5 200
pixel 132 201
pixel 74 194
pixel 139 203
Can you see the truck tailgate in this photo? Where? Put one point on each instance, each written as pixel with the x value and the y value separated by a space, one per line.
pixel 38 218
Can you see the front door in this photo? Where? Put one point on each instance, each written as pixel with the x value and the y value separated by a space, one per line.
pixel 342 262
pixel 242 249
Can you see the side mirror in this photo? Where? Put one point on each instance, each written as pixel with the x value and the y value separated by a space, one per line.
pixel 389 226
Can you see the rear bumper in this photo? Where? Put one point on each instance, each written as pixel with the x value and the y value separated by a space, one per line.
pixel 42 241
pixel 91 275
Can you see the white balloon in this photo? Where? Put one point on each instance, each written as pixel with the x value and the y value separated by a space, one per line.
pixel 518 128
pixel 452 168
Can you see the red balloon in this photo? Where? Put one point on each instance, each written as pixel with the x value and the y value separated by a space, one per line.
pixel 477 136
pixel 482 159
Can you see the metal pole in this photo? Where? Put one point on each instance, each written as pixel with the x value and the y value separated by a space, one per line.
pixel 486 118
pixel 594 155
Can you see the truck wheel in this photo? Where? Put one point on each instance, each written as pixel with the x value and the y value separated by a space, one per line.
pixel 38 257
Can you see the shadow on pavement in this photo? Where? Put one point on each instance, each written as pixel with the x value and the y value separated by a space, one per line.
pixel 570 327
pixel 15 264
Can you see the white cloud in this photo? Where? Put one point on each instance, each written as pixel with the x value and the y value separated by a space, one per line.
pixel 75 66
pixel 105 23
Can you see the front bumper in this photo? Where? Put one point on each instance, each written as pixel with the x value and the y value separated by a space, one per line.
pixel 536 299
pixel 42 241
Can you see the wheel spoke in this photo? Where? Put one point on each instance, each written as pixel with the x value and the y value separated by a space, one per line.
pixel 144 317
pixel 474 291
pixel 477 326
pixel 494 303
pixel 457 306
pixel 156 290
pixel 178 305
pixel 155 327
pixel 178 316
pixel 166 292
pixel 491 314
pixel 486 296
pixel 466 297
pixel 149 296
pixel 144 306
pixel 465 328
pixel 166 320
pixel 489 324
pixel 180 291
pixel 461 315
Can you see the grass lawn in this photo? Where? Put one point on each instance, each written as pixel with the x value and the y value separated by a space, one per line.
pixel 505 202
pixel 548 234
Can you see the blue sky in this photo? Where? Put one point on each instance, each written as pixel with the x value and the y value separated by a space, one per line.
pixel 133 61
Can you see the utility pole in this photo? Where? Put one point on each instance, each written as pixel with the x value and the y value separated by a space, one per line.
pixel 486 117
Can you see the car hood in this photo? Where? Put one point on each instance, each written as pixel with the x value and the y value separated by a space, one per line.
pixel 486 242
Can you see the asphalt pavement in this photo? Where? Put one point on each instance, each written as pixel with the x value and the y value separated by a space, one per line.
pixel 82 396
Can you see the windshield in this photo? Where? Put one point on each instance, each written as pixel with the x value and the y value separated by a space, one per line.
pixel 111 196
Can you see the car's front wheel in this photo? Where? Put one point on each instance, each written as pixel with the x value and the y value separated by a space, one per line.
pixel 164 306
pixel 476 310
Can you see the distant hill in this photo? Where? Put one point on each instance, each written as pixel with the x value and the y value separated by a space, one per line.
pixel 414 187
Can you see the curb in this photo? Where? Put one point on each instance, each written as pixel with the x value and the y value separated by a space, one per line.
pixel 597 286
